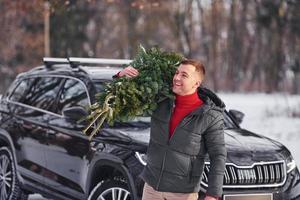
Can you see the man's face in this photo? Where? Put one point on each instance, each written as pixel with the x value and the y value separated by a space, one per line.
pixel 186 80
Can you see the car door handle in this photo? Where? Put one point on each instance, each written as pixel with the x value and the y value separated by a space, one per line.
pixel 25 125
pixel 51 134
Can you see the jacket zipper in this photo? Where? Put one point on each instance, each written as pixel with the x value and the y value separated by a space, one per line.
pixel 183 122
pixel 168 143
pixel 173 106
pixel 161 171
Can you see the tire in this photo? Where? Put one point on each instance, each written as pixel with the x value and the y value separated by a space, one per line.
pixel 110 190
pixel 9 184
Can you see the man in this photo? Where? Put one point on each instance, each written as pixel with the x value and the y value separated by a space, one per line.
pixel 182 133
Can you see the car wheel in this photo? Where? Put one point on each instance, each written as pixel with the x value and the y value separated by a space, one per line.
pixel 110 190
pixel 9 185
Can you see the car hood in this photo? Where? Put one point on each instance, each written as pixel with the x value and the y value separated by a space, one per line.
pixel 136 136
pixel 141 135
pixel 245 148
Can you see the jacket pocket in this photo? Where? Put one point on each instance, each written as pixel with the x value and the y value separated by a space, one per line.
pixel 177 163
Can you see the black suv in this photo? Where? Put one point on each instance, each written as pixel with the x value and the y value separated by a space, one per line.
pixel 43 149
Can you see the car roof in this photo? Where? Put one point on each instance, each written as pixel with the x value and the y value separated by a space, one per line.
pixel 99 72
pixel 103 72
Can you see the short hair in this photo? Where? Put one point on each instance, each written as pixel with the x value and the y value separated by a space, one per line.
pixel 197 64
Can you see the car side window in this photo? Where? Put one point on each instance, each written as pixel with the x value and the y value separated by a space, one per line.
pixel 73 94
pixel 17 93
pixel 43 93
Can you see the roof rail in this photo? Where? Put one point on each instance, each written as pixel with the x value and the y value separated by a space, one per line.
pixel 52 61
pixel 77 60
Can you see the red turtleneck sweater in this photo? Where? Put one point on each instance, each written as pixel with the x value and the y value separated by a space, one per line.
pixel 183 106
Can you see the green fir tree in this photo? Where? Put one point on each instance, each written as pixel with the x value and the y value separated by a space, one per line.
pixel 126 98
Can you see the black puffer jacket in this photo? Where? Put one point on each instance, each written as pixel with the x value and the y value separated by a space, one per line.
pixel 176 164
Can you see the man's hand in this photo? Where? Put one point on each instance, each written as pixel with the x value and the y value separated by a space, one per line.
pixel 210 198
pixel 129 72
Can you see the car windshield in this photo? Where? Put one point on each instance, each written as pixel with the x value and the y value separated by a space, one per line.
pixel 145 121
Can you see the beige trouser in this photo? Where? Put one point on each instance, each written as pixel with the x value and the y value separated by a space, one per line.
pixel 150 194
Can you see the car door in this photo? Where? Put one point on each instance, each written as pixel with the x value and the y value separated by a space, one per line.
pixel 30 105
pixel 68 150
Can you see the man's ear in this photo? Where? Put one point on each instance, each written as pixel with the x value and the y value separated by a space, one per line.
pixel 197 84
pixel 200 80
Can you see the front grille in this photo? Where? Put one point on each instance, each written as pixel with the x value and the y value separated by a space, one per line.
pixel 262 174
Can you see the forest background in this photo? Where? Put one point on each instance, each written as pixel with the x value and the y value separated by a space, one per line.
pixel 245 45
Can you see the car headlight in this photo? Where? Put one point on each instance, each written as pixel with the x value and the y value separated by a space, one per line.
pixel 141 157
pixel 290 164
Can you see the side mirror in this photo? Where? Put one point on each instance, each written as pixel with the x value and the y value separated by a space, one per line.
pixel 75 113
pixel 237 115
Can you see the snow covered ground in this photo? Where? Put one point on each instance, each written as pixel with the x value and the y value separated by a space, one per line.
pixel 269 115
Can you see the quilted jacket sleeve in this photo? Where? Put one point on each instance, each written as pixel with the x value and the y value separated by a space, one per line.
pixel 215 144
